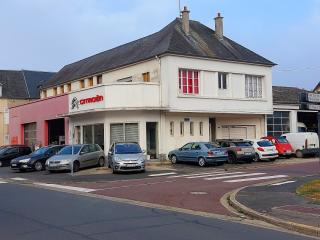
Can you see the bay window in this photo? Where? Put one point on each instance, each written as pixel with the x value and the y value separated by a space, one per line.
pixel 188 81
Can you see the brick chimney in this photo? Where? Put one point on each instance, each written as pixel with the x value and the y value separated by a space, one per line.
pixel 185 20
pixel 219 26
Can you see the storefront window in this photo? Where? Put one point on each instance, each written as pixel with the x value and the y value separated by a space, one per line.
pixel 278 123
pixel 30 134
pixel 94 134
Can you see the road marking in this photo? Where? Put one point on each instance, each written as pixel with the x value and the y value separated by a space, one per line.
pixel 235 176
pixel 19 179
pixel 255 179
pixel 135 185
pixel 2 182
pixel 212 175
pixel 282 183
pixel 195 174
pixel 162 174
pixel 78 189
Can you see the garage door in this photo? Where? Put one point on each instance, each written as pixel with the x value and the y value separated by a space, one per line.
pixel 124 132
pixel 238 132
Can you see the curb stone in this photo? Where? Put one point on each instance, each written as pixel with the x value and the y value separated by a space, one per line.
pixel 297 227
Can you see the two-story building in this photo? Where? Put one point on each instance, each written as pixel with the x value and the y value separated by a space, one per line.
pixel 184 83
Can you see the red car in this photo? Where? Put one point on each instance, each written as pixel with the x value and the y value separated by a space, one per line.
pixel 283 146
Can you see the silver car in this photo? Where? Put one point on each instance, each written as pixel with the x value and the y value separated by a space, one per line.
pixel 126 156
pixel 78 156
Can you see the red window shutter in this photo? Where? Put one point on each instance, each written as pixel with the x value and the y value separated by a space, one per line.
pixel 184 81
pixel 196 83
pixel 190 82
pixel 180 80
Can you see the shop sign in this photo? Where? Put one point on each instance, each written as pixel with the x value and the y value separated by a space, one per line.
pixel 314 107
pixel 310 97
pixel 75 102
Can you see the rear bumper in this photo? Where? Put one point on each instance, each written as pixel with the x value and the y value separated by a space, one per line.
pixel 268 156
pixel 245 156
pixel 311 151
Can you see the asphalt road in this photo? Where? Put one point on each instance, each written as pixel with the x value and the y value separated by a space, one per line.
pixel 33 213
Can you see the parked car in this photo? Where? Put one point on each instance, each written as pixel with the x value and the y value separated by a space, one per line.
pixel 283 146
pixel 36 160
pixel 9 152
pixel 202 153
pixel 264 150
pixel 126 156
pixel 238 150
pixel 80 156
pixel 303 143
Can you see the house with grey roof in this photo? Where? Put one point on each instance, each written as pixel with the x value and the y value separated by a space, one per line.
pixel 18 87
pixel 289 114
pixel 186 82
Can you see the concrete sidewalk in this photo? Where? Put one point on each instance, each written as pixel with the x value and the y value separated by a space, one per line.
pixel 279 204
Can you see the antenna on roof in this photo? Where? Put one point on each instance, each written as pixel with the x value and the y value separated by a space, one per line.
pixel 180 14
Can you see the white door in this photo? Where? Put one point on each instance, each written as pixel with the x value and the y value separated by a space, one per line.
pixel 238 132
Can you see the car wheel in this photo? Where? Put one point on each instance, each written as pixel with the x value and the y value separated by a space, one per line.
pixel 174 159
pixel 38 166
pixel 101 162
pixel 50 171
pixel 114 171
pixel 76 166
pixel 201 162
pixel 299 154
pixel 231 158
pixel 256 158
pixel 0 164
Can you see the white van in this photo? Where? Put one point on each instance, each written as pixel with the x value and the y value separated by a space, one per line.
pixel 303 143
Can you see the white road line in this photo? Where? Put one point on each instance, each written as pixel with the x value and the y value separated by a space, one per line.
pixel 195 174
pixel 162 174
pixel 2 182
pixel 256 179
pixel 79 189
pixel 135 185
pixel 235 176
pixel 217 174
pixel 19 179
pixel 282 183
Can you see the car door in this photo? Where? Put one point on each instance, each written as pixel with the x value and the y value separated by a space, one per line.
pixel 10 154
pixel 194 152
pixel 183 153
pixel 93 155
pixel 110 155
pixel 84 156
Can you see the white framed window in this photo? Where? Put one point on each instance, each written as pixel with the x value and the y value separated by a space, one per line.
pixel 172 128
pixel 188 81
pixel 253 86
pixel 222 80
pixel 181 128
pixel 191 128
pixel 201 128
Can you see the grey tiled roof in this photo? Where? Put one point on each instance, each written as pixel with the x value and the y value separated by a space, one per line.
pixel 22 84
pixel 286 95
pixel 201 42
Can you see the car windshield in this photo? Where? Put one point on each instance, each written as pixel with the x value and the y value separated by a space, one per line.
pixel 265 143
pixel 69 149
pixel 242 144
pixel 40 151
pixel 212 145
pixel 127 149
pixel 3 149
pixel 282 140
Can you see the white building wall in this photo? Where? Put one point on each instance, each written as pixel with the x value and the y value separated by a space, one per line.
pixel 211 99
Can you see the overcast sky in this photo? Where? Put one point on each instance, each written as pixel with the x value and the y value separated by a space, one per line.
pixel 48 34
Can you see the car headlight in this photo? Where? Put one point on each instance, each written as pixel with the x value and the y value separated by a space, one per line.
pixel 65 162
pixel 24 160
pixel 47 162
pixel 117 159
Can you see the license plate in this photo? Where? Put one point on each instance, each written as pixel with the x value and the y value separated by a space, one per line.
pixel 131 165
pixel 247 153
pixel 14 165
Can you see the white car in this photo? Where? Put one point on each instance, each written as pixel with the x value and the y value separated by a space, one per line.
pixel 265 150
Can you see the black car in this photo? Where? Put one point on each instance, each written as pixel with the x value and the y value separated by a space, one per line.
pixel 9 152
pixel 36 160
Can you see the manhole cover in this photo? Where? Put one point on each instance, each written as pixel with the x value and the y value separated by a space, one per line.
pixel 198 193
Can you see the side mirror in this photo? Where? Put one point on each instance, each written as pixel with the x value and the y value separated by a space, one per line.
pixel 110 153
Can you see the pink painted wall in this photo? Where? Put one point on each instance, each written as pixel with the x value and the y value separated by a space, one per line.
pixel 38 111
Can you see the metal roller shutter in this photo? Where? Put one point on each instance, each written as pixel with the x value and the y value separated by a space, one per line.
pixel 238 132
pixel 116 133
pixel 132 132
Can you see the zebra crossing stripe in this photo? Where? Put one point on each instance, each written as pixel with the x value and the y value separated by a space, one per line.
pixel 235 176
pixel 195 174
pixel 162 174
pixel 217 174
pixel 282 183
pixel 255 179
pixel 3 182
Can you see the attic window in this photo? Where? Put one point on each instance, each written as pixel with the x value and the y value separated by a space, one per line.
pixel 82 83
pixel 69 87
pixel 127 79
pixel 91 82
pixel 44 92
pixel 62 89
pixel 99 79
pixel 146 76
pixel 55 91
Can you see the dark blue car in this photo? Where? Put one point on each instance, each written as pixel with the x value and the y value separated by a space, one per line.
pixel 202 153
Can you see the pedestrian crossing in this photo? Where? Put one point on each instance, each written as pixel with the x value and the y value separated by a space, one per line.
pixel 227 176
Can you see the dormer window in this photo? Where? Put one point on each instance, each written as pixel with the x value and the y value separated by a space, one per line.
pixel 188 81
